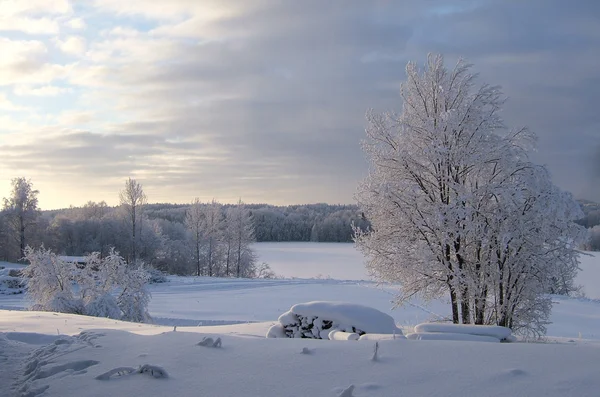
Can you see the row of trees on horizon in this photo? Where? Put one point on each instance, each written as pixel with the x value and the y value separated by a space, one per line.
pixel 198 238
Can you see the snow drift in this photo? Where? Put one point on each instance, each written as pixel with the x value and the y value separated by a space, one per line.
pixel 463 332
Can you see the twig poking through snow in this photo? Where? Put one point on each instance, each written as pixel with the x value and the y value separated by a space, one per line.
pixel 347 392
pixel 375 349
pixel 152 370
pixel 115 372
pixel 209 342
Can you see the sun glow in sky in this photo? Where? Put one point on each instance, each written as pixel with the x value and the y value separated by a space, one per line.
pixel 265 100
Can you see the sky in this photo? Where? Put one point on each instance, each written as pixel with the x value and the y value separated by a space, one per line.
pixel 265 100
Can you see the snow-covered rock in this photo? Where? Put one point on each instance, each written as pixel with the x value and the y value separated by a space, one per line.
pixel 367 319
pixel 316 320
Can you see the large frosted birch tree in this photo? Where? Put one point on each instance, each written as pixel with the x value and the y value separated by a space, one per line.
pixel 456 206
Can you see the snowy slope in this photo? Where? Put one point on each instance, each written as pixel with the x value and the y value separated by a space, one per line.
pixel 275 367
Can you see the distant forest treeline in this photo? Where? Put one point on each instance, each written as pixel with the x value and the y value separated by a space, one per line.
pixel 165 237
pixel 592 222
pixel 308 222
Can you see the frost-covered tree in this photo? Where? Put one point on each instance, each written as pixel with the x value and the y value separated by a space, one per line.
pixel 193 221
pixel 21 210
pixel 239 233
pixel 132 199
pixel 212 221
pixel 205 223
pixel 457 208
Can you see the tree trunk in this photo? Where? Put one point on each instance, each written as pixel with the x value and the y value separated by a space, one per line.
pixel 210 244
pixel 228 258
pixel 465 309
pixel 454 301
pixel 133 247
pixel 22 235
pixel 480 305
pixel 198 253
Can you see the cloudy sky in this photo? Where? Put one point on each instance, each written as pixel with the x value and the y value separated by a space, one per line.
pixel 265 99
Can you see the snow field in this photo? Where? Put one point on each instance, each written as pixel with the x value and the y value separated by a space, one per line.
pixel 247 364
pixel 277 367
pixel 340 261
pixel 589 276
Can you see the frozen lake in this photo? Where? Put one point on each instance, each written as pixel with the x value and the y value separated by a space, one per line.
pixel 340 261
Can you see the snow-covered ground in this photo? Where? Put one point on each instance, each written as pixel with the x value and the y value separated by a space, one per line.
pixel 589 276
pixel 52 354
pixel 313 260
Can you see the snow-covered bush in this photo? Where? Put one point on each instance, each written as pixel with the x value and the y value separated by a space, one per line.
pixel 115 276
pixel 134 297
pixel 264 271
pixel 103 306
pixel 63 302
pixel 48 280
pixel 11 281
pixel 317 319
pixel 107 287
pixel 156 276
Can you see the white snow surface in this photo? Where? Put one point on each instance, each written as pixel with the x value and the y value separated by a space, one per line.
pixel 51 354
pixel 67 365
pixel 590 274
pixel 377 337
pixel 483 330
pixel 451 336
pixel 313 260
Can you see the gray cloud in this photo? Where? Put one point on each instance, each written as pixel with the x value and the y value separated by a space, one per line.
pixel 267 102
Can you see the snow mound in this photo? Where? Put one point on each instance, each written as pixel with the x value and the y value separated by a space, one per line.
pixel 482 330
pixel 276 331
pixel 340 335
pixel 317 319
pixel 378 337
pixel 451 336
